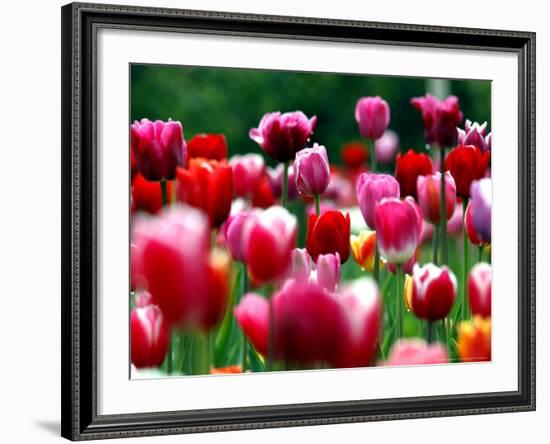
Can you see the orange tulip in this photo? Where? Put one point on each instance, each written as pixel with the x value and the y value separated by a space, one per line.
pixel 474 339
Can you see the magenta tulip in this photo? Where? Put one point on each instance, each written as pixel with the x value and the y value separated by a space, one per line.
pixel 158 148
pixel 328 271
pixel 417 352
pixel 248 171
pixel 148 336
pixel 373 116
pixel 233 232
pixel 428 191
pixel 479 289
pixel 281 136
pixel 433 291
pixel 481 191
pixel 371 189
pixel 311 169
pixel 474 134
pixel 386 147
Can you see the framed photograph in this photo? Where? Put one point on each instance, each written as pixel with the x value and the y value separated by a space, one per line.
pixel 277 221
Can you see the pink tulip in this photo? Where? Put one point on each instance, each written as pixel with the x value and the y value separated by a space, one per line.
pixel 158 148
pixel 371 189
pixel 268 239
pixel 399 227
pixel 312 171
pixel 429 196
pixel 248 171
pixel 386 147
pixel 275 176
pixel 407 266
pixel 474 134
pixel 328 271
pixel 416 352
pixel 454 224
pixel 433 291
pixel 283 135
pixel 233 232
pixel 148 336
pixel 373 116
pixel 479 289
pixel 252 315
pixel 301 264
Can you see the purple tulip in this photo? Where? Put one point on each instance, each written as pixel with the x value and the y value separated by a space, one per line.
pixel 312 172
pixel 371 189
pixel 474 134
pixel 328 271
pixel 283 135
pixel 158 148
pixel 275 176
pixel 481 191
pixel 373 116
pixel 386 147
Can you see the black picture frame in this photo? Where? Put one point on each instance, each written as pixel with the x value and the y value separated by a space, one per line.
pixel 79 174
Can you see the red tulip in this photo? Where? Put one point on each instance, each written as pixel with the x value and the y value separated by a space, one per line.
pixel 433 291
pixel 466 163
pixel 399 228
pixel 479 289
pixel 268 239
pixel 158 148
pixel 328 233
pixel 355 155
pixel 407 169
pixel 207 185
pixel 248 172
pixel 146 195
pixel 416 352
pixel 148 336
pixel 373 116
pixel 207 146
pixel 429 196
pixel 263 196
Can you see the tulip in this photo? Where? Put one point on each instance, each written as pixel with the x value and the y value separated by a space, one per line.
pixel 158 148
pixel 263 196
pixel 312 171
pixel 479 289
pixel 207 146
pixel 363 249
pixel 328 233
pixel 399 228
pixel 474 339
pixel 373 116
pixel 454 226
pixel 328 271
pixel 408 168
pixel 252 315
pixel 281 136
pixel 407 266
pixel 275 176
pixel 340 189
pixel 142 299
pixel 248 172
pixel 429 196
pixel 471 231
pixel 208 185
pixel 433 291
pixel 481 207
pixel 440 117
pixel 301 264
pixel 137 280
pixel 466 163
pixel 416 352
pixel 148 336
pixel 217 292
pixel 386 147
pixel 268 239
pixel 233 233
pixel 355 155
pixel 371 189
pixel 145 195
pixel 474 134
pixel 362 308
pixel 228 370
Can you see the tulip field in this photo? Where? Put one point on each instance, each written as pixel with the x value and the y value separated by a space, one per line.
pixel 271 234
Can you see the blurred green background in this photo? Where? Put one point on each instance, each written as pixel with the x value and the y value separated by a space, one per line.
pixel 231 101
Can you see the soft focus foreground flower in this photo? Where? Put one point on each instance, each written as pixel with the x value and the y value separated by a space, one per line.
pixel 441 117
pixel 371 189
pixel 373 116
pixel 311 169
pixel 283 135
pixel 474 134
pixel 466 163
pixel 148 336
pixel 479 289
pixel 416 352
pixel 428 190
pixel 363 249
pixel 355 155
pixel 328 233
pixel 233 233
pixel 399 227
pixel 481 207
pixel 207 146
pixel 386 147
pixel 275 176
pixel 248 171
pixel 407 169
pixel 158 148
pixel 433 291
pixel 252 315
pixel 146 195
pixel 268 239
pixel 328 271
pixel 208 185
pixel 474 339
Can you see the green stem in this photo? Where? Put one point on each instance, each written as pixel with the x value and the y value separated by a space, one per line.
pixel 443 210
pixel 464 310
pixel 480 253
pixel 284 195
pixel 318 204
pixel 436 244
pixel 271 343
pixel 164 192
pixel 430 332
pixel 399 303
pixel 245 342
